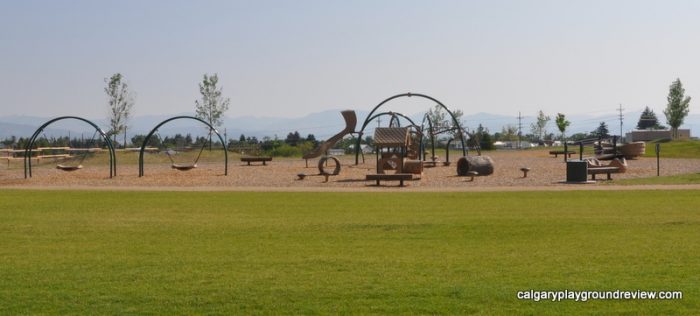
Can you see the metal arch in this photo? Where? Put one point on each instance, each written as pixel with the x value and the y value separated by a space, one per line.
pixel 394 121
pixel 148 137
pixel 427 118
pixel 408 94
pixel 29 147
pixel 392 114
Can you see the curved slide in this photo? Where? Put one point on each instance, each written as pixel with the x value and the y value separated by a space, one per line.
pixel 350 123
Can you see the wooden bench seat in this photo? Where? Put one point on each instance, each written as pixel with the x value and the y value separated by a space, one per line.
pixel 401 177
pixel 603 170
pixel 256 159
pixel 556 153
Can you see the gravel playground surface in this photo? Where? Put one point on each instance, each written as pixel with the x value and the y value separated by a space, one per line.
pixel 546 173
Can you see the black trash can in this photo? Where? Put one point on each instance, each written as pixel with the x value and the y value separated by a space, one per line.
pixel 576 171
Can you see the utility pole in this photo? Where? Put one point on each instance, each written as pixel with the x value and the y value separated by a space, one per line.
pixel 621 116
pixel 520 129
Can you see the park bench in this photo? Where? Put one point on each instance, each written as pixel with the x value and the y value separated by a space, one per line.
pixel 603 170
pixel 556 153
pixel 615 166
pixel 401 177
pixel 256 159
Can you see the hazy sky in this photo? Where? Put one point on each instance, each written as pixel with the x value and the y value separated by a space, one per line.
pixel 291 58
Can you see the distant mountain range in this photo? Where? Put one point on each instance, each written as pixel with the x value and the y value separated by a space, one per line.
pixel 322 124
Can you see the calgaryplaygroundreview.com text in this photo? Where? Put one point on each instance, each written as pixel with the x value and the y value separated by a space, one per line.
pixel 584 296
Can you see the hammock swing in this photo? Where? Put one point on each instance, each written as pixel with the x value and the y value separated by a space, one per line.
pixel 183 166
pixel 79 164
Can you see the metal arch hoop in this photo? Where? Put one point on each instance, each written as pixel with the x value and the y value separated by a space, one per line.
pixel 393 114
pixel 427 118
pixel 148 137
pixel 29 148
pixel 409 94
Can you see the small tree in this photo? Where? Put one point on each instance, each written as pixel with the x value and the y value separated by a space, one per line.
pixel 443 121
pixel 677 108
pixel 648 120
pixel 509 132
pixel 539 128
pixel 602 131
pixel 562 124
pixel 120 101
pixel 213 105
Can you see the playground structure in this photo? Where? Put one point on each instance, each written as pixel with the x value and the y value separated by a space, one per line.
pixel 609 148
pixel 391 147
pixel 350 123
pixel 371 116
pixel 29 149
pixel 432 132
pixel 182 166
pixel 350 119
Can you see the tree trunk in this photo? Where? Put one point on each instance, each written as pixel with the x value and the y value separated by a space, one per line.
pixel 481 164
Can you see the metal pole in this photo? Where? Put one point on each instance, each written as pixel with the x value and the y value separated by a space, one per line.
pixel 658 150
pixel 447 150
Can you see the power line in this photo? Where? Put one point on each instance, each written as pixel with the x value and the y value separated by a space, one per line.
pixel 621 116
pixel 520 128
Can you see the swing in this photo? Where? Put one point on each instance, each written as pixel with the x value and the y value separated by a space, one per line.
pixel 184 166
pixel 79 165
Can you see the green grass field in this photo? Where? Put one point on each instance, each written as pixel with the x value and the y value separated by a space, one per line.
pixel 691 178
pixel 675 149
pixel 65 252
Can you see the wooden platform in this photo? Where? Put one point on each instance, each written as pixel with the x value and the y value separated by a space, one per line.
pixel 256 159
pixel 401 177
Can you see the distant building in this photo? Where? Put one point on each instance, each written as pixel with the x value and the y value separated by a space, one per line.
pixel 647 135
pixel 336 152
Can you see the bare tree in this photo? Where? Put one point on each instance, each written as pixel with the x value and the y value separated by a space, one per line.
pixel 539 128
pixel 442 121
pixel 120 101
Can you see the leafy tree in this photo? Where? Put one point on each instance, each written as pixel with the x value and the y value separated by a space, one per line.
pixel 9 141
pixel 562 124
pixel 509 133
pixel 293 139
pixel 648 120
pixel 580 136
pixel 678 106
pixel 539 128
pixel 312 140
pixel 242 138
pixel 120 101
pixel 213 105
pixel 485 141
pixel 369 140
pixel 138 140
pixel 602 131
